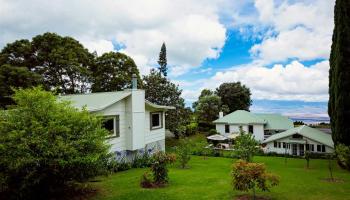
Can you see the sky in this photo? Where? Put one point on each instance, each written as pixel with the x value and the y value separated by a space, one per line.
pixel 277 48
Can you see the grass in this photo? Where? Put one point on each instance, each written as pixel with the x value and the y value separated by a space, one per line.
pixel 210 179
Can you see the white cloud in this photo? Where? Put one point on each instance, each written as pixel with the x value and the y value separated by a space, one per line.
pixel 291 82
pixel 190 28
pixel 298 43
pixel 302 30
pixel 100 46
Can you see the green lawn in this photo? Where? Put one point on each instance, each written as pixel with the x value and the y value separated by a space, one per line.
pixel 210 179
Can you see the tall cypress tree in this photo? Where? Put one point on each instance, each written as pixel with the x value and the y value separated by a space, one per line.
pixel 339 74
pixel 162 60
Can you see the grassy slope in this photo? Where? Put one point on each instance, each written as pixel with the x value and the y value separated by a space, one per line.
pixel 210 179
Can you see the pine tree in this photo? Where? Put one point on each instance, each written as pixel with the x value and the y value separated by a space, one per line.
pixel 339 74
pixel 162 60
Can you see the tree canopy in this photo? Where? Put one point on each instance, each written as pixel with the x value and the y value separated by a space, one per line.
pixel 63 65
pixel 162 61
pixel 339 74
pixel 161 91
pixel 112 71
pixel 235 95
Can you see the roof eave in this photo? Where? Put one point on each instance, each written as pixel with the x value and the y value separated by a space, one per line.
pixel 159 106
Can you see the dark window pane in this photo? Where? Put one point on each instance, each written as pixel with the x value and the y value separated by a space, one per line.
pixel 319 148
pixel 275 144
pixel 117 127
pixel 227 128
pixel 323 148
pixel 312 147
pixel 307 147
pixel 109 125
pixel 155 120
pixel 250 129
pixel 284 145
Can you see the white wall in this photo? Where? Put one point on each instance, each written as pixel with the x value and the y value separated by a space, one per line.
pixel 258 130
pixel 156 134
pixel 270 146
pixel 118 143
pixel 134 124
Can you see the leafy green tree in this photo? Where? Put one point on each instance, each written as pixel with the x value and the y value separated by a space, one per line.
pixel 18 53
pixel 246 146
pixel 62 62
pixel 208 107
pixel 247 176
pixel 47 146
pixel 162 61
pixel 235 95
pixel 161 91
pixel 112 71
pixel 183 151
pixel 339 74
pixel 12 76
pixel 204 92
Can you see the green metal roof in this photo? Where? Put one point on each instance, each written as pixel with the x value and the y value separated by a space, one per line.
pixel 276 121
pixel 311 133
pixel 95 101
pixel 240 117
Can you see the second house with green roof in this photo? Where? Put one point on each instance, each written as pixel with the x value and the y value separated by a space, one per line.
pixel 261 126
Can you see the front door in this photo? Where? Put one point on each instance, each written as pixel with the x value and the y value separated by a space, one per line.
pixel 301 149
pixel 294 149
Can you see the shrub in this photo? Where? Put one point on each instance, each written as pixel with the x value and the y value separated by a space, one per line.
pixel 247 176
pixel 47 146
pixel 146 180
pixel 212 132
pixel 160 160
pixel 183 152
pixel 246 146
pixel 191 128
pixel 141 160
pixel 343 155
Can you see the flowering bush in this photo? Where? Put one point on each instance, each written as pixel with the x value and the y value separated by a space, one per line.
pixel 247 176
pixel 159 166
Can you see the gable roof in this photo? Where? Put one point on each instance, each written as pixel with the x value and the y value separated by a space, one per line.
pixel 276 121
pixel 305 131
pixel 240 117
pixel 95 101
pixel 101 100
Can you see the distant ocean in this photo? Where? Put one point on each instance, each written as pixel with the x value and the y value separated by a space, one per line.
pixel 311 120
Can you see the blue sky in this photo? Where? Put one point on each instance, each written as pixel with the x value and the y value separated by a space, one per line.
pixel 278 48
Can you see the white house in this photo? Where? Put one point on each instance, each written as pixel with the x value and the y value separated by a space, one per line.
pixel 297 140
pixel 135 124
pixel 260 125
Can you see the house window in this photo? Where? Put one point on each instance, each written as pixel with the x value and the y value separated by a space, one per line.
pixel 227 128
pixel 275 144
pixel 307 147
pixel 250 129
pixel 279 145
pixel 323 148
pixel 312 147
pixel 112 125
pixel 318 148
pixel 284 145
pixel 156 120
